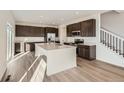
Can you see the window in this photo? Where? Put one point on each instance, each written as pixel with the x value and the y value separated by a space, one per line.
pixel 9 41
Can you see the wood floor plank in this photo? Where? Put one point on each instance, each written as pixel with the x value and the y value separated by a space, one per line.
pixel 89 71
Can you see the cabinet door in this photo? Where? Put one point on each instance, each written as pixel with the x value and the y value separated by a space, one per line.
pixel 91 27
pixel 36 31
pixel 86 51
pixel 69 31
pixel 29 31
pixel 84 28
pixel 56 32
pixel 51 30
pixel 17 48
pixel 22 31
pixel 73 27
pixel 42 31
pixel 76 26
pixel 80 52
pixel 94 27
pixel 83 51
pixel 88 28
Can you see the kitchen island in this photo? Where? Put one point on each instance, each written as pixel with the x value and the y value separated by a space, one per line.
pixel 58 57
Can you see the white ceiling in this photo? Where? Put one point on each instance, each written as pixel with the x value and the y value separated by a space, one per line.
pixel 50 17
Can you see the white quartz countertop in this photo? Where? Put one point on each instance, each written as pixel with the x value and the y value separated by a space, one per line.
pixel 53 46
pixel 87 43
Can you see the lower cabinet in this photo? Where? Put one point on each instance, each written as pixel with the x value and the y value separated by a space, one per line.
pixel 88 52
pixel 17 48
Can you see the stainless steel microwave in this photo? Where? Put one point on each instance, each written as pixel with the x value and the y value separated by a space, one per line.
pixel 75 33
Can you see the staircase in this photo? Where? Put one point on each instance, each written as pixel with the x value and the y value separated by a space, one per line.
pixel 112 40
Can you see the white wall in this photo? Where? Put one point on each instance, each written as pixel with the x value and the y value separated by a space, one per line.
pixel 29 39
pixel 5 16
pixel 102 52
pixel 109 56
pixel 62 33
pixel 113 21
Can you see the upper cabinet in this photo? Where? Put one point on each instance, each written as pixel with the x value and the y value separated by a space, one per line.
pixel 29 31
pixel 51 30
pixel 73 27
pixel 87 28
pixel 33 31
pixel 38 31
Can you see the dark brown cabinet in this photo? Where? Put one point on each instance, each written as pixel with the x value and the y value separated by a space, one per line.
pixel 29 31
pixel 17 48
pixel 33 31
pixel 37 31
pixel 69 30
pixel 73 27
pixel 51 30
pixel 88 28
pixel 88 52
pixel 69 33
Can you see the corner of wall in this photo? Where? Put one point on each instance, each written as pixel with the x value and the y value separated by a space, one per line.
pixel 5 16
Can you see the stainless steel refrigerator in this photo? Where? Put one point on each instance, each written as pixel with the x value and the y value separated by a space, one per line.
pixel 51 37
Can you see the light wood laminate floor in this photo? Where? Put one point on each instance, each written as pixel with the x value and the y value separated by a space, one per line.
pixel 89 71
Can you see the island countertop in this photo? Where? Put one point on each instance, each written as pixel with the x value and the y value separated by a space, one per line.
pixel 58 57
pixel 53 46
